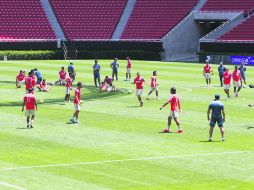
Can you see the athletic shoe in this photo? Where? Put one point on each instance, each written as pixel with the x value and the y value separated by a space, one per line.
pixel 72 120
pixel 141 104
pixel 210 140
pixel 166 131
pixel 31 125
pixel 27 126
pixel 222 139
pixel 180 131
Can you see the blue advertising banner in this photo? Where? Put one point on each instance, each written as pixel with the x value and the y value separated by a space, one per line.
pixel 236 60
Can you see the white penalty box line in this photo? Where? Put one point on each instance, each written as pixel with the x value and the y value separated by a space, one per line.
pixel 125 160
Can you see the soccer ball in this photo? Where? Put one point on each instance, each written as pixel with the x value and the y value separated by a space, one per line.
pixel 81 101
pixel 129 91
pixel 41 101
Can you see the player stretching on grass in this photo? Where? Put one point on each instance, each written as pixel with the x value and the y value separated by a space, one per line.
pixel 77 103
pixel 20 79
pixel 236 75
pixel 30 102
pixel 68 85
pixel 175 109
pixel 207 71
pixel 153 85
pixel 139 81
pixel 227 81
pixel 62 76
pixel 218 116
pixel 128 69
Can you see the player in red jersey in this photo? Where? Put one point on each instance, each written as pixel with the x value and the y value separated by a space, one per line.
pixel 31 106
pixel 77 103
pixel 227 81
pixel 207 71
pixel 33 78
pixel 236 75
pixel 29 82
pixel 68 85
pixel 43 86
pixel 128 69
pixel 139 81
pixel 62 76
pixel 154 85
pixel 20 79
pixel 174 110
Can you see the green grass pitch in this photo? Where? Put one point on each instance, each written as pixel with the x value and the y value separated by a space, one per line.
pixel 119 145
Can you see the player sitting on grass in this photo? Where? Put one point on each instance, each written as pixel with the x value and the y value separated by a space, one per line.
pixel 77 103
pixel 153 85
pixel 103 86
pixel 236 75
pixel 20 79
pixel 175 108
pixel 68 85
pixel 139 81
pixel 227 81
pixel 218 116
pixel 207 71
pixel 62 76
pixel 30 102
pixel 43 86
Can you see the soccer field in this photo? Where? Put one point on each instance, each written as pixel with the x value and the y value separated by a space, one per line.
pixel 119 145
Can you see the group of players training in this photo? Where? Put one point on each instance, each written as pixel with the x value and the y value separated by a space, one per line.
pixel 34 79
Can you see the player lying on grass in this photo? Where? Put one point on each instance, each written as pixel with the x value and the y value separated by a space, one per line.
pixel 68 88
pixel 227 81
pixel 31 106
pixel 43 86
pixel 108 84
pixel 153 85
pixel 77 103
pixel 62 76
pixel 207 71
pixel 175 108
pixel 236 75
pixel 20 79
pixel 218 116
pixel 139 82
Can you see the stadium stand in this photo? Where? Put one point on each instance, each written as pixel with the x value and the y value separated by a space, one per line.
pixel 94 19
pixel 243 31
pixel 23 20
pixel 152 19
pixel 228 5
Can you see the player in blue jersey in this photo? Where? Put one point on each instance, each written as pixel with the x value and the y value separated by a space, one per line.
pixel 242 69
pixel 96 73
pixel 218 116
pixel 114 66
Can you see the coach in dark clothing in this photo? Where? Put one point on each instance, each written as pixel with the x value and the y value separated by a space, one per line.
pixel 96 73
pixel 221 70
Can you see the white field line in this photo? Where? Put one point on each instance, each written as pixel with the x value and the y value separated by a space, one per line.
pixel 11 185
pixel 125 160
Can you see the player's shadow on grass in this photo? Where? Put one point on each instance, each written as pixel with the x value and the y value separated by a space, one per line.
pixel 210 141
pixel 23 128
pixel 249 127
pixel 8 82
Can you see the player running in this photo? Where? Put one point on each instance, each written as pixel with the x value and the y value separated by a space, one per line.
pixel 20 79
pixel 207 71
pixel 31 106
pixel 77 103
pixel 153 85
pixel 68 85
pixel 175 108
pixel 218 116
pixel 227 81
pixel 139 81
pixel 128 69
pixel 62 76
pixel 43 86
pixel 236 75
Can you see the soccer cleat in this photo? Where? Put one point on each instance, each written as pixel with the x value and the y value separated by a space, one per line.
pixel 210 140
pixel 27 126
pixel 31 125
pixel 141 104
pixel 180 131
pixel 166 131
pixel 72 120
pixel 222 139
